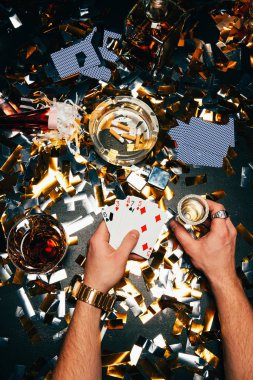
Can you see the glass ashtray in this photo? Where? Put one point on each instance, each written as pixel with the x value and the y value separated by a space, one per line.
pixel 123 129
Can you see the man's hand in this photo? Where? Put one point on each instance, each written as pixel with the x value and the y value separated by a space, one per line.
pixel 214 253
pixel 104 265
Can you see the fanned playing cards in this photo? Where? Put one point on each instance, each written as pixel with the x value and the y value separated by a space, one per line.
pixel 134 213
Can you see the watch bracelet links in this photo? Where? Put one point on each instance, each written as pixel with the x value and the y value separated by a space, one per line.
pixel 104 301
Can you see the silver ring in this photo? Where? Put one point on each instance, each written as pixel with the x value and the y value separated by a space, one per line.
pixel 222 214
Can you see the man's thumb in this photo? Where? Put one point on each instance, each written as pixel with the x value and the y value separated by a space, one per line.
pixel 128 243
pixel 184 238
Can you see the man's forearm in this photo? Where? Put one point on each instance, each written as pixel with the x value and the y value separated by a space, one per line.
pixel 236 319
pixel 80 357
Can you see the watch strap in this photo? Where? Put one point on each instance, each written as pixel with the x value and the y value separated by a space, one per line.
pixel 104 301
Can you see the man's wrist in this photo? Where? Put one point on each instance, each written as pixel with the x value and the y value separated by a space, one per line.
pixel 95 284
pixel 225 280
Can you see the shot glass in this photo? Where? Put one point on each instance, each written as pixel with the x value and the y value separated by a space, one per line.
pixel 192 210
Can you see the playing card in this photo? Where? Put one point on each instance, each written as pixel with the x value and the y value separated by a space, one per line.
pixel 135 213
pixel 193 156
pixel 149 223
pixel 210 137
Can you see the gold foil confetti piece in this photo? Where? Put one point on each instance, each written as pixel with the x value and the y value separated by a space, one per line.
pixel 72 240
pixel 47 302
pixel 245 234
pixel 114 324
pixel 151 311
pixel 148 275
pixel 208 356
pixel 99 195
pixel 115 358
pixel 196 180
pixel 169 194
pixel 151 370
pixel 209 316
pixel 184 318
pixel 30 329
pixel 122 316
pixel 63 181
pixel 12 160
pixel 196 293
pixel 76 288
pixel 231 154
pixel 110 199
pixel 41 287
pixel 80 260
pixel 172 303
pixel 196 327
pixel 216 195
pixel 80 159
pixel 18 277
pixel 49 375
pixel 228 167
pixel 177 328
pixel 116 371
pixel 158 257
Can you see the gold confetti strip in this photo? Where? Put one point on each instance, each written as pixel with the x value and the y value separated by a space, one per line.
pixel 116 371
pixel 228 167
pixel 151 369
pixel 148 275
pixel 12 160
pixel 177 327
pixel 114 324
pixel 18 277
pixel 72 240
pixel 47 302
pixel 158 257
pixel 209 316
pixel 208 356
pixel 115 358
pixel 196 327
pixel 30 329
pixel 151 311
pixel 196 180
pixel 218 194
pixel 245 234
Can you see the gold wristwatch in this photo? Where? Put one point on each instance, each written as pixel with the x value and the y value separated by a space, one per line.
pixel 104 301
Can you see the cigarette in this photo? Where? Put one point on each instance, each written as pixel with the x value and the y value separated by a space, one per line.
pixel 117 136
pixel 120 126
pixel 128 137
pixel 138 136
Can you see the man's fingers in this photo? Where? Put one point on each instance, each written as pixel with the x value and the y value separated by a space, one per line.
pixel 184 238
pixel 135 257
pixel 128 243
pixel 102 233
pixel 218 225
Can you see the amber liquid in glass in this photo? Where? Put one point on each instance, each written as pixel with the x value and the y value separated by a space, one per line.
pixel 36 244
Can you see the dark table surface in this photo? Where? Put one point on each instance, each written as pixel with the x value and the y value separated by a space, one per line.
pixel 239 203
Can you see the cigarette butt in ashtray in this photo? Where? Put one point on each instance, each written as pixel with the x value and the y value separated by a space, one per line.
pixel 116 135
pixel 138 137
pixel 128 137
pixel 120 126
pixel 106 124
pixel 192 209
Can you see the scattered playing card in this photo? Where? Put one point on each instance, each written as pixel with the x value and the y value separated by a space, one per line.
pixel 135 213
pixel 203 143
